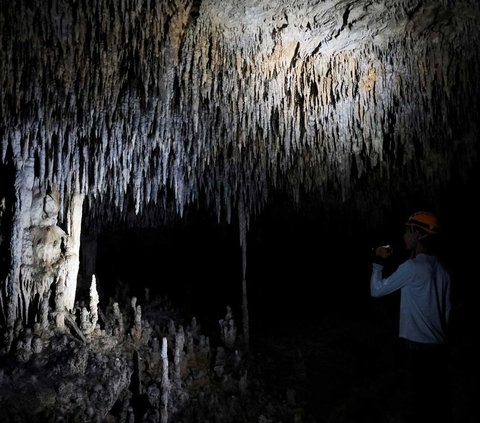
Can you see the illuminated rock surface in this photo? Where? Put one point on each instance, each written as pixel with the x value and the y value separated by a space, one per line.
pixel 308 127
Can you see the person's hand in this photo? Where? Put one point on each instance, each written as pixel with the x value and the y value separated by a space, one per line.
pixel 384 251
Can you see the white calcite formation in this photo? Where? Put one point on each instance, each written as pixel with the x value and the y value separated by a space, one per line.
pixel 133 102
pixel 112 375
pixel 136 110
pixel 145 108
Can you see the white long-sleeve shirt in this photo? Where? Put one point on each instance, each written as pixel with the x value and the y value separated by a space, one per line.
pixel 425 302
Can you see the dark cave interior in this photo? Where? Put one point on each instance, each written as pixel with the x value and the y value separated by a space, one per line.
pixel 182 150
pixel 308 297
pixel 298 266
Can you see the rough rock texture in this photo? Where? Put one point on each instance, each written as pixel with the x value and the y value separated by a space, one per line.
pixel 140 102
pixel 147 109
pixel 131 368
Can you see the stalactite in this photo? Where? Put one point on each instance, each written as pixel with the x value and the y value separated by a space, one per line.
pixel 136 103
pixel 243 243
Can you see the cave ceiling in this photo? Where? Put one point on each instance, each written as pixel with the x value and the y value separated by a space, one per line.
pixel 152 107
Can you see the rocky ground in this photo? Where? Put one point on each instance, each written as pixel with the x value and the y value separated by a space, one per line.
pixel 343 367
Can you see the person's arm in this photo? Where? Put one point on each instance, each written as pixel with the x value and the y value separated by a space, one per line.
pixel 380 286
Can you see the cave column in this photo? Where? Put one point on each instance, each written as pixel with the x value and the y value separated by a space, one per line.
pixel 72 261
pixel 24 181
pixel 43 258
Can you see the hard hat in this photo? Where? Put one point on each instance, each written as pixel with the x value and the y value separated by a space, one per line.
pixel 426 221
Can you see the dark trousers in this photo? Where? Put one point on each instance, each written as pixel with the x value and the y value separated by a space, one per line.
pixel 429 376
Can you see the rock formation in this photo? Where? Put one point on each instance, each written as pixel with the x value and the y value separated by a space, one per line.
pixel 135 111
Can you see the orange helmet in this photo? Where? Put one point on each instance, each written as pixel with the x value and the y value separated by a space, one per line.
pixel 426 221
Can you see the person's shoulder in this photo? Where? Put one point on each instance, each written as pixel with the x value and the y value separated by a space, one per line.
pixel 409 263
pixel 420 260
pixel 438 262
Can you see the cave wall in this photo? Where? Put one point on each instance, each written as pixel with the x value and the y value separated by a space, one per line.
pixel 150 108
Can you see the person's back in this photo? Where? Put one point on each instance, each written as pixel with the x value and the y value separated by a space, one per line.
pixel 424 301
pixel 424 285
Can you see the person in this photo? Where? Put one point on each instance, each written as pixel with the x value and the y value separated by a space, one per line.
pixel 425 304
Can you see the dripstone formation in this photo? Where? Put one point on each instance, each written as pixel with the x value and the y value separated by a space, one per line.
pixel 138 112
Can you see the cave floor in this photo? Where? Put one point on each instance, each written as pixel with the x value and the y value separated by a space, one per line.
pixel 336 368
pixel 345 369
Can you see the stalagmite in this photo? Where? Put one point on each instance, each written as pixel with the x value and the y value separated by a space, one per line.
pixel 140 112
pixel 228 329
pixel 178 354
pixel 93 303
pixel 165 382
pixel 37 345
pixel 84 320
pixel 119 327
pixel 43 312
pixel 59 312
